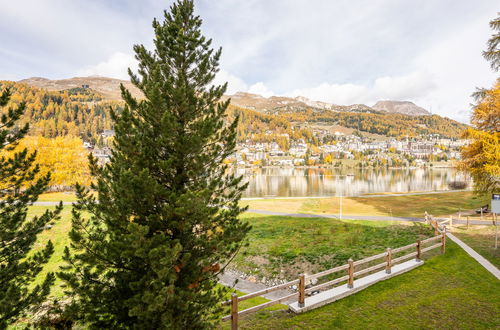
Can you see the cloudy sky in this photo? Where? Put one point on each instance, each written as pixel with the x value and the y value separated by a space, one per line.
pixel 337 51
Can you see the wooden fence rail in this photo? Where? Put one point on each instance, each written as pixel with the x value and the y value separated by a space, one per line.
pixel 388 263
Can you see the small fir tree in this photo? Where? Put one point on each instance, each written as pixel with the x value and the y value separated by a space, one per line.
pixel 164 223
pixel 20 186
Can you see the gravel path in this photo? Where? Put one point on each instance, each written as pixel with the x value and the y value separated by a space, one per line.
pixel 229 277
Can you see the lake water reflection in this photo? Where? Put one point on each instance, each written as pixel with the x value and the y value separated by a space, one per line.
pixel 295 182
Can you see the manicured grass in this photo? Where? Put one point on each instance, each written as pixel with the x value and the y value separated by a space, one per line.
pixel 57 196
pixel 404 206
pixel 450 291
pixel 284 247
pixel 58 234
pixel 481 239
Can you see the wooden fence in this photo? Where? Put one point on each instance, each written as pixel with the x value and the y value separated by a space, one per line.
pixel 491 218
pixel 350 273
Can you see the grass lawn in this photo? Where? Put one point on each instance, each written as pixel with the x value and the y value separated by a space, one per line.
pixel 58 234
pixel 450 291
pixel 283 247
pixel 57 196
pixel 481 239
pixel 404 206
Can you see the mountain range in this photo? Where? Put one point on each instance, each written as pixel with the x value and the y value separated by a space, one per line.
pixel 109 88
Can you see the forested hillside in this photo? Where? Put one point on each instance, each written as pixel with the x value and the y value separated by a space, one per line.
pixel 84 113
pixel 388 124
pixel 78 111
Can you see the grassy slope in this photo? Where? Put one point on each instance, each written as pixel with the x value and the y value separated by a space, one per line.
pixel 405 206
pixel 284 247
pixel 449 292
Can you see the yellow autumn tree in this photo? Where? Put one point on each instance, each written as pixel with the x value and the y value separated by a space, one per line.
pixel 328 159
pixel 481 158
pixel 64 156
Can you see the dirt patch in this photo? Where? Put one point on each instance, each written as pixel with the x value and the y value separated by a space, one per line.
pixel 301 266
pixel 258 260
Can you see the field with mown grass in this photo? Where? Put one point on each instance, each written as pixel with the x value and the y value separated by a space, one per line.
pixel 403 206
pixel 481 239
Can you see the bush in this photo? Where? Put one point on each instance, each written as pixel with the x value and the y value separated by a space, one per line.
pixel 457 185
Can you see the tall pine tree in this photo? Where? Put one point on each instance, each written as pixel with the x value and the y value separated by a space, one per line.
pixel 20 186
pixel 147 250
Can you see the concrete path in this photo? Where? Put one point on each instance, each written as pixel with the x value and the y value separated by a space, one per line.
pixel 485 263
pixel 358 217
pixel 342 291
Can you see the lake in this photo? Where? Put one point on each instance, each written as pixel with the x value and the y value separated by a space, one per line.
pixel 304 182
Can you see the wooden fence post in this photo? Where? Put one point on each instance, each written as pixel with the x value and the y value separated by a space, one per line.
pixel 496 231
pixel 350 282
pixel 389 261
pixel 467 222
pixel 234 311
pixel 443 240
pixel 451 221
pixel 435 225
pixel 419 250
pixel 302 290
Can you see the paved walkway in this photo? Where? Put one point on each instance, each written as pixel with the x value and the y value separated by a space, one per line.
pixel 358 217
pixel 485 263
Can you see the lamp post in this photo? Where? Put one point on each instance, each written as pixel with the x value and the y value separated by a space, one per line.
pixel 341 190
pixel 340 214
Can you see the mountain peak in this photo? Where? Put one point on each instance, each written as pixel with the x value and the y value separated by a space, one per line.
pixel 403 107
pixel 108 87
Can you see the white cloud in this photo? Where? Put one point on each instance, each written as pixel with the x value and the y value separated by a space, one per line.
pixel 234 84
pixel 261 89
pixel 115 66
pixel 407 87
